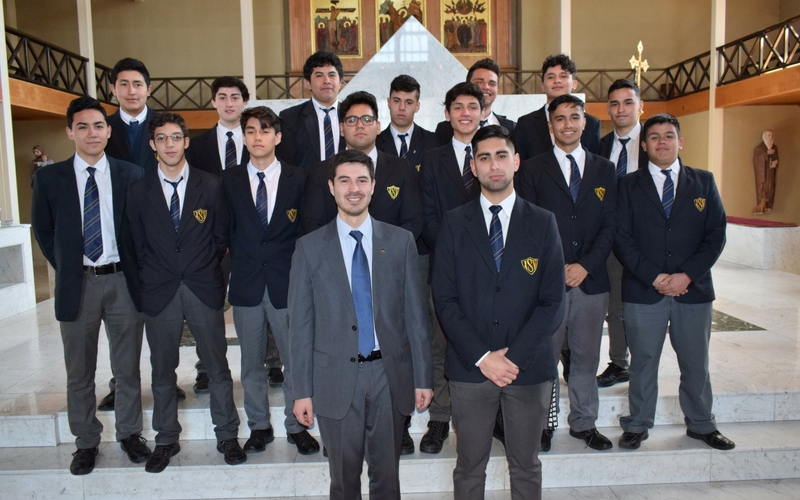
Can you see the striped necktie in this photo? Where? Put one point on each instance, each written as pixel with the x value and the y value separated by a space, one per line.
pixel 466 171
pixel 92 230
pixel 622 161
pixel 230 151
pixel 326 124
pixel 496 235
pixel 403 145
pixel 574 178
pixel 175 203
pixel 668 194
pixel 261 200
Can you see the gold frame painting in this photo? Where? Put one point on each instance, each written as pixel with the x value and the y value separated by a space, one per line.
pixel 466 26
pixel 336 27
pixel 390 18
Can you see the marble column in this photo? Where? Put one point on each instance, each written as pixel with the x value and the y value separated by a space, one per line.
pixel 248 47
pixel 86 42
pixel 716 117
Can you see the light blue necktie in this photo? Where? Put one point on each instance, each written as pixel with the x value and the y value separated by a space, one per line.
pixel 574 178
pixel 362 297
pixel 92 230
pixel 496 235
pixel 175 203
pixel 668 194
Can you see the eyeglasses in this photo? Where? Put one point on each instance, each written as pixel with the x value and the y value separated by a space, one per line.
pixel 162 138
pixel 366 120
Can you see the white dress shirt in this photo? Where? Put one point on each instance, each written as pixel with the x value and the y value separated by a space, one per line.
pixel 659 178
pixel 141 117
pixel 396 133
pixel 459 149
pixel 272 175
pixel 632 146
pixel 334 114
pixel 492 119
pixel 222 143
pixel 102 177
pixel 167 188
pixel 566 166
pixel 349 247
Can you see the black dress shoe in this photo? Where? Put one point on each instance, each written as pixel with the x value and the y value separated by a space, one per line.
pixel 83 461
pixel 181 394
pixel 275 376
pixel 406 443
pixel 258 440
pixel 632 440
pixel 565 365
pixel 232 451
pixel 201 384
pixel 107 403
pixel 305 442
pixel 714 439
pixel 435 437
pixel 593 439
pixel 159 459
pixel 499 431
pixel 614 374
pixel 136 448
pixel 547 438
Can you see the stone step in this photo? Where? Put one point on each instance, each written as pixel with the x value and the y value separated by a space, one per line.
pixel 765 450
pixel 195 416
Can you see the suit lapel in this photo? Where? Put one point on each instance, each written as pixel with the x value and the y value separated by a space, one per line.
pixel 312 126
pixel 385 142
pixel 553 169
pixel 71 201
pixel 334 258
pixel 212 149
pixel 144 142
pixel 242 185
pixel 682 189
pixel 646 183
pixel 193 198
pixel 540 124
pixel 416 141
pixel 156 195
pixel 476 228
pixel 379 266
pixel 518 230
pixel 589 178
pixel 453 169
pixel 120 136
pixel 382 173
pixel 281 197
pixel 118 193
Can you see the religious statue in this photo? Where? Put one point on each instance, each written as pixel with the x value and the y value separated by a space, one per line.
pixel 765 165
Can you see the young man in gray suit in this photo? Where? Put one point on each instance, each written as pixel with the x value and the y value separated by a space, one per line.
pixel 360 349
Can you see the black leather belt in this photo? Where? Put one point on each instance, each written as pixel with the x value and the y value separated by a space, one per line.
pixel 106 269
pixel 376 354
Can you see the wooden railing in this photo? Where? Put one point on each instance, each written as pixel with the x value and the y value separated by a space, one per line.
pixel 45 64
pixel 770 49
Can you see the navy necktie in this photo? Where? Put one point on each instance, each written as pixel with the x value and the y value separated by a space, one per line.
pixel 622 161
pixel 92 231
pixel 230 152
pixel 261 200
pixel 483 123
pixel 326 124
pixel 175 203
pixel 496 235
pixel 668 194
pixel 574 178
pixel 403 145
pixel 466 171
pixel 362 297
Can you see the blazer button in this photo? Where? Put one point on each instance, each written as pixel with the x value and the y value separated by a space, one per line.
pixel 574 216
pixel 263 242
pixel 179 249
pixel 574 243
pixel 355 328
pixel 181 276
pixel 496 323
pixel 669 254
pixel 263 263
pixel 352 360
pixel 497 289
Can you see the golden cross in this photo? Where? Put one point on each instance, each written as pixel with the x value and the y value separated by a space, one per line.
pixel 639 65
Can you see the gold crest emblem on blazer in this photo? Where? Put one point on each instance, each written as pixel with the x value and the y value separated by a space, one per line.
pixel 700 204
pixel 600 192
pixel 393 191
pixel 200 214
pixel 291 214
pixel 530 265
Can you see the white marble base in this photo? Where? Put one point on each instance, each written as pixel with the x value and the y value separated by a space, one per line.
pixel 763 247
pixel 17 289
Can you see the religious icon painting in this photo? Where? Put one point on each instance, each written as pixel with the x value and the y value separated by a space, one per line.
pixel 392 14
pixel 465 26
pixel 336 27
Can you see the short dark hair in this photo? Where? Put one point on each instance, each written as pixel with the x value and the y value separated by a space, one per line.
pixel 129 64
pixel 492 132
pixel 229 81
pixel 82 104
pixel 463 88
pixel 565 99
pixel 562 60
pixel 623 84
pixel 350 156
pixel 320 59
pixel 161 119
pixel 359 97
pixel 404 83
pixel 486 63
pixel 265 116
pixel 659 119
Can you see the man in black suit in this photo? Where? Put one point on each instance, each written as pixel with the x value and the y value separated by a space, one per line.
pixel 498 284
pixel 580 189
pixel 179 223
pixel 265 197
pixel 447 182
pixel 311 130
pixel 486 75
pixel 403 137
pixel 671 230
pixel 78 216
pixel 623 146
pixel 532 135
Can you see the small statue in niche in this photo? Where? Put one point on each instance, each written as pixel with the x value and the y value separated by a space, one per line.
pixel 765 166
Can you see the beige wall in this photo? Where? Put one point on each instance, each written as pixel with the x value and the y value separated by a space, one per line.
pixel 694 130
pixel 789 9
pixel 743 128
pixel 540 32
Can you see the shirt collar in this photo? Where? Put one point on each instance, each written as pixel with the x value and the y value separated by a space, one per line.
pixel 268 172
pixel 223 131
pixel 507 204
pixel 344 229
pixel 184 173
pixel 396 132
pixel 335 107
pixel 656 170
pixel 633 134
pixel 460 146
pixel 579 154
pixel 127 118
pixel 81 165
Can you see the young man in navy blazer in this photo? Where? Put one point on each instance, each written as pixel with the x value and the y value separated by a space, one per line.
pixel 179 223
pixel 671 232
pixel 265 197
pixel 580 189
pixel 623 146
pixel 498 285
pixel 97 278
